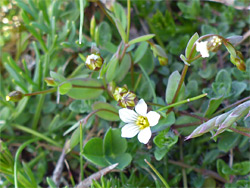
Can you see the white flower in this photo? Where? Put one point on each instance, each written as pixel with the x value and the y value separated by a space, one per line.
pixel 202 48
pixel 138 121
pixel 92 57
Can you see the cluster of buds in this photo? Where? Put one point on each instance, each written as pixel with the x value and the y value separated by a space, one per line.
pixel 214 43
pixel 94 62
pixel 14 96
pixel 124 97
pixel 222 122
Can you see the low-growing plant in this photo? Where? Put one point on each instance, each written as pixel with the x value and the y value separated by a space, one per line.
pixel 114 94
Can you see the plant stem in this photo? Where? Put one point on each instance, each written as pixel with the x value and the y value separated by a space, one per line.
pixel 128 26
pixel 230 106
pixel 183 74
pixel 202 171
pixel 184 175
pixel 81 152
pixel 240 132
pixel 123 52
pixel 137 82
pixel 182 102
pixel 41 92
pixel 158 174
pixel 132 70
pixel 81 20
pixel 18 152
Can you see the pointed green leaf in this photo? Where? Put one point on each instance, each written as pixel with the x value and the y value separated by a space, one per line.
pixel 141 39
pixel 190 45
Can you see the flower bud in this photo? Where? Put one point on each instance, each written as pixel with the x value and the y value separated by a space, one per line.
pixel 50 81
pixel 214 43
pixel 163 61
pixel 238 61
pixel 94 62
pixel 128 100
pixel 119 92
pixel 125 98
pixel 159 52
pixel 14 96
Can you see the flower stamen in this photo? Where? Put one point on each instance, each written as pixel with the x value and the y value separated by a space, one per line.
pixel 142 122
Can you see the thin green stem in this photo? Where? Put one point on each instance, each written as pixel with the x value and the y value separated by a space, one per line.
pixel 37 134
pixel 19 151
pixel 137 82
pixel 149 82
pixel 81 20
pixel 81 152
pixel 182 102
pixel 184 175
pixel 183 74
pixel 128 26
pixel 132 70
pixel 41 92
pixel 158 174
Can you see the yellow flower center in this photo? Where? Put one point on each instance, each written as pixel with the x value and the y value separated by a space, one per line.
pixel 142 122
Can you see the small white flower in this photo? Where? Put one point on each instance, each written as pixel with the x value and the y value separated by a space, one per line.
pixel 202 48
pixel 138 121
pixel 92 57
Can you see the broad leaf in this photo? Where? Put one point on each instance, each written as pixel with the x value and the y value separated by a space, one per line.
pixel 111 113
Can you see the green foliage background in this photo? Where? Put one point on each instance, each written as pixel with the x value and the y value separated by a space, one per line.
pixel 41 39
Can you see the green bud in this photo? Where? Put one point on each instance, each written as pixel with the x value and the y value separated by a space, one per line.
pixel 238 61
pixel 163 61
pixel 94 62
pixel 125 98
pixel 14 96
pixel 119 92
pixel 92 27
pixel 159 52
pixel 128 100
pixel 50 81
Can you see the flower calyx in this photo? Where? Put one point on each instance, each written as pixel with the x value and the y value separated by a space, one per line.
pixel 14 96
pixel 124 97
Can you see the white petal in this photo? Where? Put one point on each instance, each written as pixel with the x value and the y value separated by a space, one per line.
pixel 202 48
pixel 141 108
pixel 144 135
pixel 130 130
pixel 127 116
pixel 153 118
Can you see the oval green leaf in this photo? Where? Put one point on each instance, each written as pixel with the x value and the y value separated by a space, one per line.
pixel 85 93
pixel 111 113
